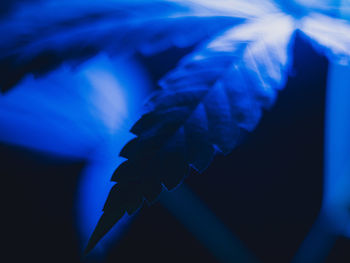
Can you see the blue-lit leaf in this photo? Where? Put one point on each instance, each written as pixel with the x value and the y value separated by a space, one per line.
pixel 77 111
pixel 40 38
pixel 329 35
pixel 213 96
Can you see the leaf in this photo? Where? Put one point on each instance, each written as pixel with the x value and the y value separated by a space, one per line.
pixel 207 103
pixel 79 111
pixel 329 36
pixel 40 38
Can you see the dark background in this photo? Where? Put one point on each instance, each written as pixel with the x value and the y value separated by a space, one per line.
pixel 268 191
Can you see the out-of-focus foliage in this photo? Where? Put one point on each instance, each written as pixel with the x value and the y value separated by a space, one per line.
pixel 84 115
pixel 216 93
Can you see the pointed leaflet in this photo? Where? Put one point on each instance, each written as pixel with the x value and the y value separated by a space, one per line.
pixel 329 36
pixel 40 38
pixel 212 97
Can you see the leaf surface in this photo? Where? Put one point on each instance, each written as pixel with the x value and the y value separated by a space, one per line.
pixel 329 36
pixel 40 38
pixel 213 97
